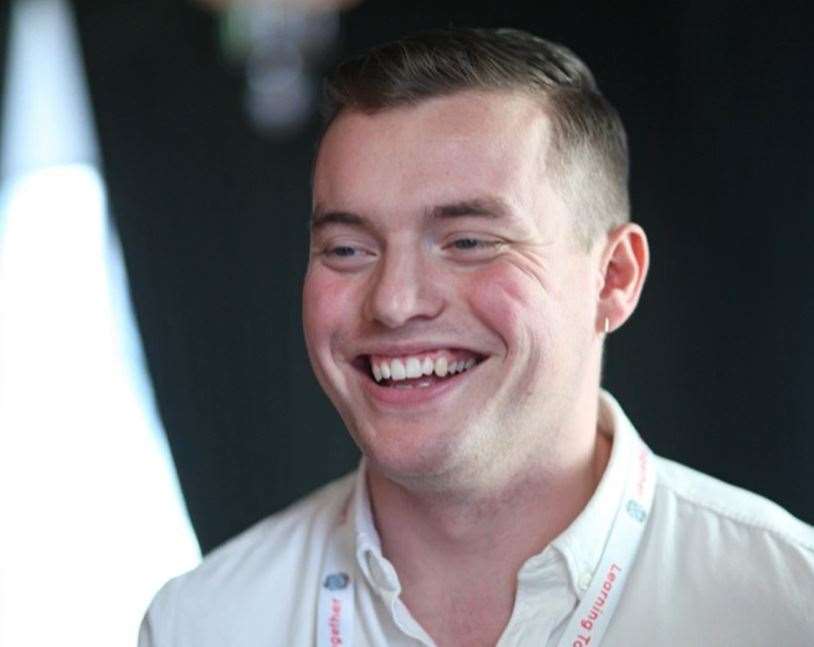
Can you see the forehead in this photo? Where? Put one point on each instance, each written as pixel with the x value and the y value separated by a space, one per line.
pixel 439 150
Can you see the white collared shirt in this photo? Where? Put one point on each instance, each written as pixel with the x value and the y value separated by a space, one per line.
pixel 717 566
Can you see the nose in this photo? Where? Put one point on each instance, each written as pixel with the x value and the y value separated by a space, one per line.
pixel 403 288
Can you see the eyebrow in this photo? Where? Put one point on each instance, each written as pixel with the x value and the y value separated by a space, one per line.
pixel 486 207
pixel 323 218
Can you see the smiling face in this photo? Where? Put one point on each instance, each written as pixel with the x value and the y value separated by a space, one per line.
pixel 449 313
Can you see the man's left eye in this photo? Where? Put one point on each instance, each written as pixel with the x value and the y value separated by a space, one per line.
pixel 467 243
pixel 473 243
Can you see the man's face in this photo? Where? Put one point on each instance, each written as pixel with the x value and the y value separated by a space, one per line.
pixel 439 243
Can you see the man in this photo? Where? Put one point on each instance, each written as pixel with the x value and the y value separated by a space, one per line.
pixel 471 248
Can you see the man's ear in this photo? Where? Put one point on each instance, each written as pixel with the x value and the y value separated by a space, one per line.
pixel 623 269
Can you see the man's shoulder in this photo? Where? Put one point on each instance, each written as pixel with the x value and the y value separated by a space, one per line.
pixel 242 586
pixel 718 565
pixel 696 498
pixel 719 543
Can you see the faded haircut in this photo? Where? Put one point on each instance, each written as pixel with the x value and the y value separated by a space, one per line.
pixel 590 160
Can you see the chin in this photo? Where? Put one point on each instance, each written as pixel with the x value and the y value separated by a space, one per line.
pixel 406 451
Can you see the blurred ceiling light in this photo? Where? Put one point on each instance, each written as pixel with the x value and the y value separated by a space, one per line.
pixel 281 44
pixel 300 5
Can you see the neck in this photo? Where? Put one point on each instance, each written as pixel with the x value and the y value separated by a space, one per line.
pixel 441 543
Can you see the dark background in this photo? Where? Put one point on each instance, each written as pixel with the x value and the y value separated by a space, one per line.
pixel 713 368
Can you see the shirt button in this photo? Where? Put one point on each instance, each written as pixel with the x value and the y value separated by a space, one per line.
pixel 585 581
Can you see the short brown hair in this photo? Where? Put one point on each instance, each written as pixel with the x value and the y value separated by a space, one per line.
pixel 591 160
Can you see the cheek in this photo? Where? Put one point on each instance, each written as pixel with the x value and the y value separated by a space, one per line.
pixel 511 303
pixel 324 306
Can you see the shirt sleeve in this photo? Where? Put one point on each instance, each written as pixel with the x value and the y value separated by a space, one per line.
pixel 155 630
pixel 146 635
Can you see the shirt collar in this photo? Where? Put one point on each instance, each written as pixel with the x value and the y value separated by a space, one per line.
pixel 580 544
pixel 377 570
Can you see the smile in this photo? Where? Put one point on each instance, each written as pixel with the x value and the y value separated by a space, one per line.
pixel 421 370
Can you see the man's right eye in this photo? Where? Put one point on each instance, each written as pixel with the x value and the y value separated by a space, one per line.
pixel 346 256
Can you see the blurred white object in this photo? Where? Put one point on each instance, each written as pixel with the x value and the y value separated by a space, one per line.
pixel 280 44
pixel 92 517
pixel 47 115
pixel 301 5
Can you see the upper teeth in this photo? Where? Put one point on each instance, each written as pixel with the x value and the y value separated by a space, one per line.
pixel 412 367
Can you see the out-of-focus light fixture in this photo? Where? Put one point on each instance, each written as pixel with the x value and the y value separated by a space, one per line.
pixel 280 43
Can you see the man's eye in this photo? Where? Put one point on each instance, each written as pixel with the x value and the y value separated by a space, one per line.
pixel 342 251
pixel 465 244
pixel 346 256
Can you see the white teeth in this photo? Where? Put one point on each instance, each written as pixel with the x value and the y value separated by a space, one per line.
pixel 397 370
pixel 427 366
pixel 413 367
pixel 441 366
